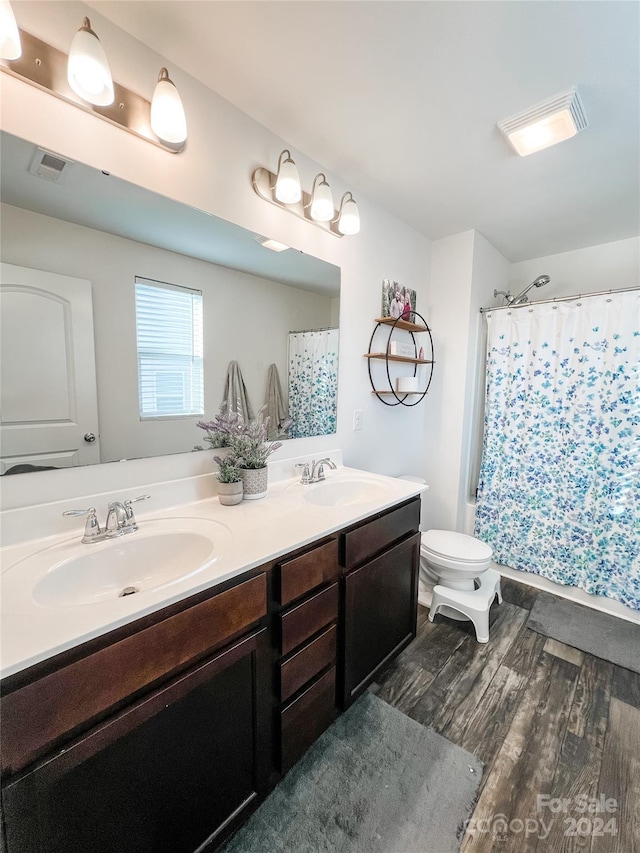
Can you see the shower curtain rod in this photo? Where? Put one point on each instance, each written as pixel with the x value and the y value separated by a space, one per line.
pixel 303 331
pixel 560 299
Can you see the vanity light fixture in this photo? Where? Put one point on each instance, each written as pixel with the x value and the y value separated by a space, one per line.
pixel 10 47
pixel 316 207
pixel 88 71
pixel 83 79
pixel 348 216
pixel 287 187
pixel 547 123
pixel 168 120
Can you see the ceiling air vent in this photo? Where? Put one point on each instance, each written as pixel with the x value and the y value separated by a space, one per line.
pixel 49 166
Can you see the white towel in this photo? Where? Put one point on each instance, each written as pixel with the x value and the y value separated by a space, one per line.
pixel 235 398
pixel 274 402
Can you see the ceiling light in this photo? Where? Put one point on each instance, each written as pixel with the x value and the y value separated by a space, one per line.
pixel 274 245
pixel 549 122
pixel 349 216
pixel 88 71
pixel 287 188
pixel 168 120
pixel 321 200
pixel 10 47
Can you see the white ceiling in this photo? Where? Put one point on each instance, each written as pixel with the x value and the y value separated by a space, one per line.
pixel 401 99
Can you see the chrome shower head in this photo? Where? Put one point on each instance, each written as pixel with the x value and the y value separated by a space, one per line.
pixel 522 297
pixel 541 281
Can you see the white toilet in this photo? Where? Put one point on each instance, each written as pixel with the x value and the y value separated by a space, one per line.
pixel 453 561
pixel 456 578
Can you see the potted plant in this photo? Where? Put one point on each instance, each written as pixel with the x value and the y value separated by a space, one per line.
pixel 221 429
pixel 249 444
pixel 229 476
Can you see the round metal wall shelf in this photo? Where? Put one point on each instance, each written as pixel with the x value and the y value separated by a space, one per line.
pixel 390 396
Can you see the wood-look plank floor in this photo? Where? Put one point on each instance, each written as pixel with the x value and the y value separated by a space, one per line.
pixel 557 729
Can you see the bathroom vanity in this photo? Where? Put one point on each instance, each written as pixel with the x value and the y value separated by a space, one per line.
pixel 163 734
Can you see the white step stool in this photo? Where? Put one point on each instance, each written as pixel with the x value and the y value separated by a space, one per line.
pixel 474 604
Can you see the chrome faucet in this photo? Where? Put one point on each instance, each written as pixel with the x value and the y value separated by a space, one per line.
pixel 120 520
pixel 305 478
pixel 317 469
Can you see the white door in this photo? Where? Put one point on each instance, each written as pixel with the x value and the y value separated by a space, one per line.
pixel 48 400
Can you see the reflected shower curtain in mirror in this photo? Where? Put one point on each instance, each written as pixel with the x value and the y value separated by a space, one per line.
pixel 559 491
pixel 313 382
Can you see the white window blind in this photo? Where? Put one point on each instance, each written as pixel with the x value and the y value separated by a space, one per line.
pixel 169 332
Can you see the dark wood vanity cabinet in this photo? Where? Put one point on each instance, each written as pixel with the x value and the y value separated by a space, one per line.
pixel 165 734
pixel 308 595
pixel 171 772
pixel 179 763
pixel 381 561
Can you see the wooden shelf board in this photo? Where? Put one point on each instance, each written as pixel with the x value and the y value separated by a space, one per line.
pixel 402 324
pixel 398 393
pixel 383 355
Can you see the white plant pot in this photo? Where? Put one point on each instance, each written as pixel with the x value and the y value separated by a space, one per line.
pixel 230 494
pixel 255 483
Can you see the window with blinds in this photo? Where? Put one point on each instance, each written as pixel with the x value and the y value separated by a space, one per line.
pixel 170 343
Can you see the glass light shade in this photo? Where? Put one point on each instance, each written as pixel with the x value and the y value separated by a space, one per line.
pixel 10 47
pixel 88 71
pixel 322 203
pixel 541 134
pixel 168 120
pixel 288 189
pixel 349 221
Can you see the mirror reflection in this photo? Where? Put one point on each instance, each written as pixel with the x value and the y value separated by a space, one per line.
pixel 125 316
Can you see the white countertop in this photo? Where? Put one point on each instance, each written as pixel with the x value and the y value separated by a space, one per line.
pixel 259 531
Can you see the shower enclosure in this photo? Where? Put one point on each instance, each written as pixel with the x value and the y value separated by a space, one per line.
pixel 559 490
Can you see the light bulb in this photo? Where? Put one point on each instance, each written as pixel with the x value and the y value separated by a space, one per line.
pixel 349 219
pixel 168 120
pixel 322 201
pixel 288 189
pixel 88 70
pixel 10 47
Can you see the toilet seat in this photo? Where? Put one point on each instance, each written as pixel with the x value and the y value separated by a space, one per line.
pixel 453 547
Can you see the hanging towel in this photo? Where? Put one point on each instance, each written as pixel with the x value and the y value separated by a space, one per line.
pixel 275 405
pixel 235 398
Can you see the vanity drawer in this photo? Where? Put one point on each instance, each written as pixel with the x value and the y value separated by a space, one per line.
pixel 369 539
pixel 304 720
pixel 308 571
pixel 40 714
pixel 306 619
pixel 307 663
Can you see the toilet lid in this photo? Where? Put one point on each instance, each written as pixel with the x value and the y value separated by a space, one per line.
pixel 456 546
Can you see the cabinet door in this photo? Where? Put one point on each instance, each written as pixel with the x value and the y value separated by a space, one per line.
pixel 171 772
pixel 380 613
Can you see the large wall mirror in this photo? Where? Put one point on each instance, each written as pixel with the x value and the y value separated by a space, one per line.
pixel 86 261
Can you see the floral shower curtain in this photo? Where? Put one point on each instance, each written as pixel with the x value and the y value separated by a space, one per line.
pixel 559 491
pixel 313 382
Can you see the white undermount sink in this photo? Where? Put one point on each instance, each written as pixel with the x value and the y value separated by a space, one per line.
pixel 161 552
pixel 340 491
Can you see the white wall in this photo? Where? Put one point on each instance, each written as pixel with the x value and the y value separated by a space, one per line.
pixel 448 316
pixel 608 266
pixel 246 319
pixel 465 270
pixel 214 174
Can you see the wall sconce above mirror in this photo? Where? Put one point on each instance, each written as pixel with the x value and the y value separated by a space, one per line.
pixel 284 190
pixel 84 79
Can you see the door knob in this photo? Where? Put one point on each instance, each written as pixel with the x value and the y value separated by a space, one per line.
pixel 89 437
